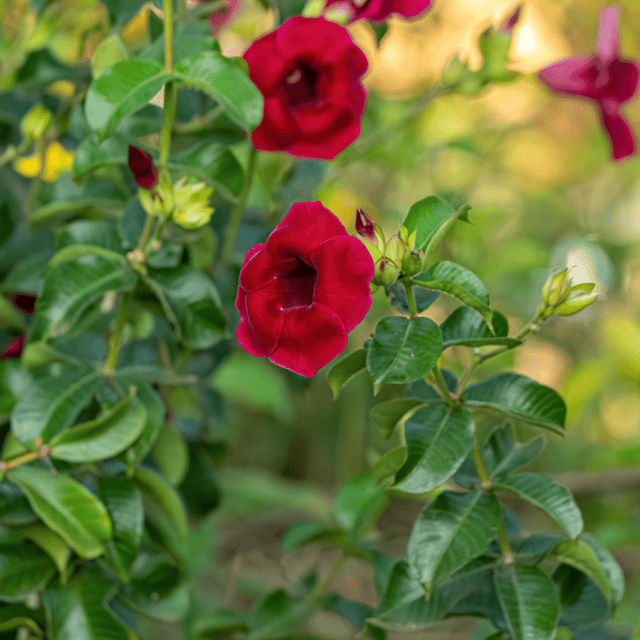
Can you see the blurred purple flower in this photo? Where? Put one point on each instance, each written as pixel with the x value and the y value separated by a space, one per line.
pixel 604 77
pixel 219 18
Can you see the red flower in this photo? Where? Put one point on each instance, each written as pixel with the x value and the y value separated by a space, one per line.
pixel 144 171
pixel 303 290
pixel 219 18
pixel 26 303
pixel 380 10
pixel 605 78
pixel 308 71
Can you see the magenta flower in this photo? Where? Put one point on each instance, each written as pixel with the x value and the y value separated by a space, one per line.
pixel 380 10
pixel 26 303
pixel 303 290
pixel 144 171
pixel 219 18
pixel 605 77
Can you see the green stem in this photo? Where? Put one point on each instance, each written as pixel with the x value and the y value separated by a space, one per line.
pixel 7 465
pixel 411 300
pixel 238 210
pixel 149 225
pixel 197 123
pixel 442 385
pixel 182 10
pixel 114 340
pixel 318 590
pixel 483 474
pixel 168 35
pixel 505 547
pixel 170 91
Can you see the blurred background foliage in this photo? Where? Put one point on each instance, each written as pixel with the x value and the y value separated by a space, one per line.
pixel 537 171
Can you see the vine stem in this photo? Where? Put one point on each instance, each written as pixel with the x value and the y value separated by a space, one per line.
pixel 238 209
pixel 411 300
pixel 318 590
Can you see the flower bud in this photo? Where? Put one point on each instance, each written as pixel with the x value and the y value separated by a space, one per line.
pixel 556 289
pixel 386 272
pixel 574 305
pixel 36 122
pixel 395 249
pixel 453 72
pixel 411 263
pixel 508 25
pixel 192 208
pixel 340 13
pixel 367 229
pixel 144 170
pixel 158 202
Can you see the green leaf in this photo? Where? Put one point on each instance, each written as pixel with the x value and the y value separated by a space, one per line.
pixel 392 412
pixel 579 555
pixel 519 397
pixel 124 505
pixel 50 542
pixel 438 439
pixel 24 568
pixel 51 405
pixel 171 454
pixel 211 625
pixel 611 567
pixel 13 616
pixel 159 491
pixel 171 608
pixel 74 251
pixel 359 503
pixel 10 316
pixel 107 53
pixel 226 80
pixel 125 87
pixel 465 326
pixel 451 530
pixel 310 532
pixel 503 455
pixel 431 218
pixel 67 508
pixel 457 282
pixel 97 233
pixel 529 600
pixel 278 615
pixel 69 287
pixel 79 611
pixel 345 369
pixel 389 463
pixel 355 612
pixel 182 288
pixel 77 205
pixel 397 296
pixel 583 603
pixel 106 436
pixel 403 350
pixel 556 501
pixel 14 507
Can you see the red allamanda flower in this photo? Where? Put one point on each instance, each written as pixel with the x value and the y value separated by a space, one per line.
pixel 308 71
pixel 145 172
pixel 604 77
pixel 303 290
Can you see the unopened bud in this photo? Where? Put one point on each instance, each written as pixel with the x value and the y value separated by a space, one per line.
pixel 192 208
pixel 386 272
pixel 575 305
pixel 556 289
pixel 508 25
pixel 158 202
pixel 411 263
pixel 366 229
pixel 144 170
pixel 340 13
pixel 36 122
pixel 395 249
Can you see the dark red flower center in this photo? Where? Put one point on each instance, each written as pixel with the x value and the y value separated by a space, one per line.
pixel 299 285
pixel 301 86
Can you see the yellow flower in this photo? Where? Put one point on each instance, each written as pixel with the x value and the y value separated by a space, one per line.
pixel 57 160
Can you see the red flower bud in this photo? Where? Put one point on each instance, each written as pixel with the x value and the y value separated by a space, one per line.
pixel 144 171
pixel 364 226
pixel 509 24
pixel 380 10
pixel 13 349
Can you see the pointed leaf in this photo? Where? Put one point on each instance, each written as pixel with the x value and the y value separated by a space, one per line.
pixel 24 568
pixel 503 455
pixel 451 530
pixel 403 350
pixel 438 438
pixel 556 501
pixel 51 405
pixel 359 503
pixel 213 625
pixel 465 326
pixel 397 296
pixel 388 414
pixel 611 567
pixel 67 507
pixel 345 369
pixel 519 397
pixel 171 454
pixel 13 616
pixel 529 600
pixel 50 542
pixel 389 463
pixel 457 282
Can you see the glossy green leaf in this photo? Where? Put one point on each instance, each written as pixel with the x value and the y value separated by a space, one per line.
pixel 79 610
pixel 519 397
pixel 389 463
pixel 66 507
pixel 397 296
pixel 345 369
pixel 403 350
pixel 388 414
pixel 50 542
pixel 309 533
pixel 556 501
pixel 51 405
pixel 458 282
pixel 160 491
pixel 503 455
pixel 72 252
pixel 359 503
pixel 583 602
pixel 14 506
pixel 66 208
pixel 189 39
pixel 610 566
pixel 466 326
pixel 24 568
pixel 13 616
pixel 107 53
pixel 69 287
pixel 171 608
pixel 124 505
pixel 211 625
pixel 431 218
pixel 529 600
pixel 533 549
pixel 438 439
pixel 278 615
pixel 355 612
pixel 451 530
pixel 171 454
pixel 579 555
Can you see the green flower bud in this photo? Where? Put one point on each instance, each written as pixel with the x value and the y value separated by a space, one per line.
pixel 395 249
pixel 411 263
pixel 574 305
pixel 158 201
pixel 556 289
pixel 192 208
pixel 36 122
pixel 453 72
pixel 386 272
pixel 340 12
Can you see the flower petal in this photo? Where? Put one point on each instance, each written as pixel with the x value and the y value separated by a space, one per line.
pixel 278 128
pixel 623 79
pixel 619 132
pixel 607 40
pixel 327 148
pixel 345 270
pixel 262 316
pixel 404 8
pixel 311 337
pixel 573 75
pixel 258 269
pixel 303 229
pixel 13 349
pixel 266 67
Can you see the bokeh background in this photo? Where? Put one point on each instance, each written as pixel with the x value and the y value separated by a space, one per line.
pixel 536 169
